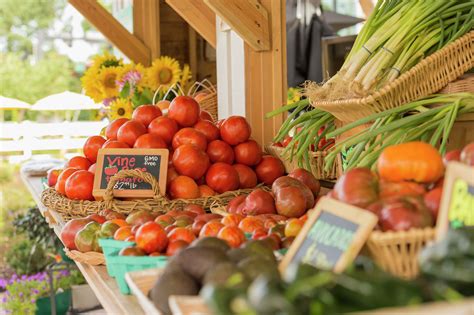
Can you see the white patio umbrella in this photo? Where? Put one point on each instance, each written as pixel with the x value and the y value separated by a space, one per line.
pixel 11 103
pixel 65 101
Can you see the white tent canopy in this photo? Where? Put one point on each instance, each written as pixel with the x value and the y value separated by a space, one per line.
pixel 11 103
pixel 65 101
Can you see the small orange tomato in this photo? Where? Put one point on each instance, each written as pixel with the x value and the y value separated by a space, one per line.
pixel 232 219
pixel 123 233
pixel 293 227
pixel 233 235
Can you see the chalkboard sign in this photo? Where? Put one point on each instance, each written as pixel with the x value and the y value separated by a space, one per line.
pixel 457 203
pixel 331 237
pixel 111 161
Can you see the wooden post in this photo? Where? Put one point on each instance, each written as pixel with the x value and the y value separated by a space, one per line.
pixel 118 35
pixel 146 24
pixel 265 76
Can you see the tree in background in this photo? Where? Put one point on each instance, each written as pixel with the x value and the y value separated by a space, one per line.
pixel 29 72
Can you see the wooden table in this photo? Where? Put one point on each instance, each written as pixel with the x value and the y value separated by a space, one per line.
pixel 104 287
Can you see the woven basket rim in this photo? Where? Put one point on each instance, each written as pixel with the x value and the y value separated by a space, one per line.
pixel 373 97
pixel 377 236
pixel 91 258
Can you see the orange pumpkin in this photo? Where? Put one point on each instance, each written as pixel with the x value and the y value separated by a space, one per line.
pixel 417 161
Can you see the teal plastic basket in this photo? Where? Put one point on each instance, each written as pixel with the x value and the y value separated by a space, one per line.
pixel 110 246
pixel 118 266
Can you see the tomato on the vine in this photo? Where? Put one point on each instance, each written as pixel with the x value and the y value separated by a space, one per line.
pixel 150 141
pixel 191 161
pixel 113 127
pixel 164 127
pixel 146 113
pixel 220 151
pixel 222 177
pixel 189 136
pixel 235 130
pixel 79 185
pixel 92 146
pixel 130 131
pixel 185 110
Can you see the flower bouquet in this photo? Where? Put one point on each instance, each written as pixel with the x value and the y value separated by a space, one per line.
pixel 123 87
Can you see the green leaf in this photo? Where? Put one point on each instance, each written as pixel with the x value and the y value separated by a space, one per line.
pixel 125 91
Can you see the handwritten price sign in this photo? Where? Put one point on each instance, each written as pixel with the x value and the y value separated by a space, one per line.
pixel 111 161
pixel 457 202
pixel 331 237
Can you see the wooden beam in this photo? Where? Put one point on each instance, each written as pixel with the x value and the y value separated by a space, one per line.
pixel 265 76
pixel 118 35
pixel 248 18
pixel 146 25
pixel 199 16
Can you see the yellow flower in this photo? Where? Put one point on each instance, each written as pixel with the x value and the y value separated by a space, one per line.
pixel 91 85
pixel 107 79
pixel 164 72
pixel 120 108
pixel 186 75
pixel 106 60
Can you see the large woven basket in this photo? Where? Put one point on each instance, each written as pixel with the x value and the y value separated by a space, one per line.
pixel 463 84
pixel 427 77
pixel 397 252
pixel 68 208
pixel 316 163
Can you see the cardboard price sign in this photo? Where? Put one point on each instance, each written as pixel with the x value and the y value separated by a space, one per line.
pixel 457 203
pixel 332 236
pixel 111 161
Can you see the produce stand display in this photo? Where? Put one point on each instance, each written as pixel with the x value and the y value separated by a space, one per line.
pixel 170 210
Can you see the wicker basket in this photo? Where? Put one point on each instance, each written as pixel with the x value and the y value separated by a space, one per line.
pixel 428 76
pixel 397 252
pixel 208 103
pixel 91 258
pixel 68 208
pixel 464 84
pixel 317 163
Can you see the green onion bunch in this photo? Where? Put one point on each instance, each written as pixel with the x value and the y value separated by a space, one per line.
pixel 429 119
pixel 309 120
pixel 397 35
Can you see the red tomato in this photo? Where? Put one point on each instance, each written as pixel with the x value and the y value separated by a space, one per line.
pixel 453 155
pixel 92 146
pixel 79 162
pixel 184 187
pixel 172 174
pixel 164 127
pixel 194 209
pixel 247 177
pixel 61 183
pixel 269 169
pixel 206 191
pixel 248 153
pixel 112 144
pixel 233 235
pixel 219 123
pixel 92 168
pixel 79 185
pixel 191 161
pixel 146 113
pixel 113 127
pixel 286 141
pixel 220 151
pixel 222 177
pixel 189 136
pixel 204 115
pixel 151 237
pixel 150 141
pixel 130 131
pixel 183 234
pixel 235 130
pixel 208 129
pixel 185 110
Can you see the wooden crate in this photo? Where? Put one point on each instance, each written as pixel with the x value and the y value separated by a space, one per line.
pixel 141 282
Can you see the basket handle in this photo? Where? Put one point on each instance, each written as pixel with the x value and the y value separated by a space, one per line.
pixel 145 176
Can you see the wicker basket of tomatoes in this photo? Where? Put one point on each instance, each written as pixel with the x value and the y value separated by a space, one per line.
pixel 210 163
pixel 405 194
pixel 205 93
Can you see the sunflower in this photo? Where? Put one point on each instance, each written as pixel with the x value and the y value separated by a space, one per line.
pixel 105 61
pixel 164 72
pixel 91 85
pixel 107 80
pixel 120 108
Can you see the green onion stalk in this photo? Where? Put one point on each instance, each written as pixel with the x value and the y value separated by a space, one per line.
pixel 429 119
